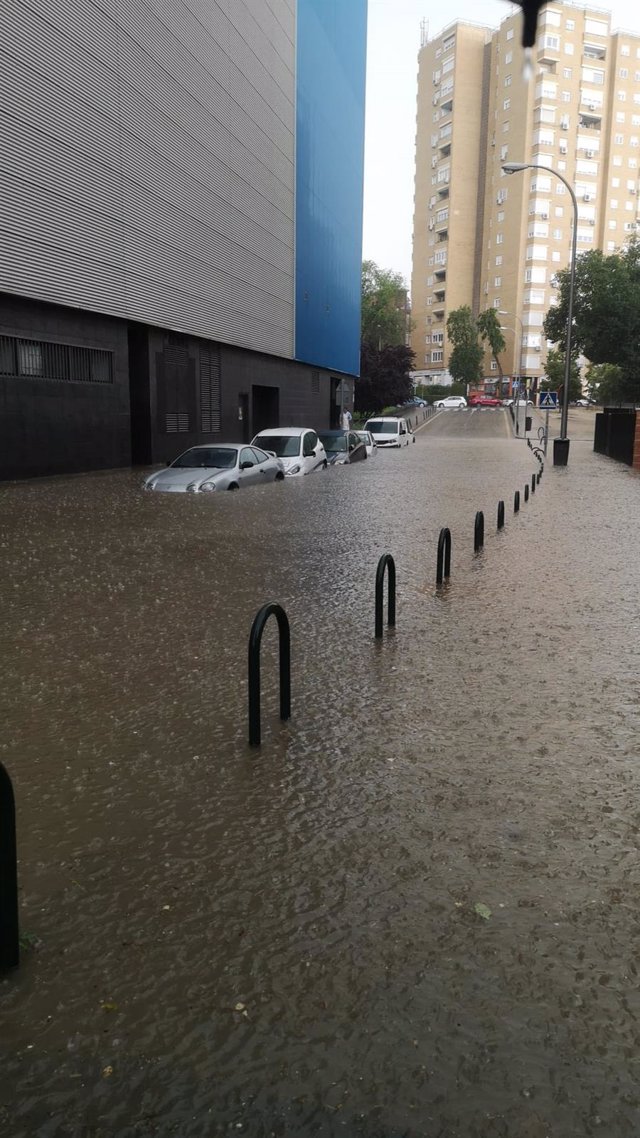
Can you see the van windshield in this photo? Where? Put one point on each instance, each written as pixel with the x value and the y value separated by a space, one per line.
pixel 383 427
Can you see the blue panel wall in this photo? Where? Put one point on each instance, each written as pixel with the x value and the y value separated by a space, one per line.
pixel 330 94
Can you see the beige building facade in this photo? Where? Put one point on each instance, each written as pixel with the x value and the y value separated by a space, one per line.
pixel 491 240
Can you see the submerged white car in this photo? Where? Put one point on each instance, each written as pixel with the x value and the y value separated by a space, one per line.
pixel 389 431
pixel 230 466
pixel 298 448
pixel 367 438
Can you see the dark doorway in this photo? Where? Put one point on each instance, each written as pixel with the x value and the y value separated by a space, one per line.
pixel 243 415
pixel 266 408
pixel 140 397
pixel 334 405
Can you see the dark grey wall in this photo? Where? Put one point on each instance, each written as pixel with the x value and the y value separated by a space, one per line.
pixel 51 426
pixel 169 391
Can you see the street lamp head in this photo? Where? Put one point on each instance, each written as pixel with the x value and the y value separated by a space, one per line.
pixel 515 167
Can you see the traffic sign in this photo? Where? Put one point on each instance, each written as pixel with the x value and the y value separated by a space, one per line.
pixel 549 399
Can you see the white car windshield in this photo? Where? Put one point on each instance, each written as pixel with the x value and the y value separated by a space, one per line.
pixel 206 458
pixel 285 446
pixel 379 427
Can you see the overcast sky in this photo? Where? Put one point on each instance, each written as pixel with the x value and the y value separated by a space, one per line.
pixel 392 70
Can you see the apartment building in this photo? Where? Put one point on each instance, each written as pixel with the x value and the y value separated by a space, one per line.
pixel 578 114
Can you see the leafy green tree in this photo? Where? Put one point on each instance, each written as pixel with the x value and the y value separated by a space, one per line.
pixel 465 361
pixel 606 383
pixel 555 372
pixel 606 311
pixel 384 307
pixel 384 377
pixel 490 331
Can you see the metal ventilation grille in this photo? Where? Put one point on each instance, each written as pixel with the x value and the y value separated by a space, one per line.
pixel 176 423
pixel 315 382
pixel 39 359
pixel 209 390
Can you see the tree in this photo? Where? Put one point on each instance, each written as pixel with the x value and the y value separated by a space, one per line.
pixel 606 383
pixel 606 311
pixel 465 361
pixel 488 324
pixel 384 307
pixel 555 370
pixel 384 377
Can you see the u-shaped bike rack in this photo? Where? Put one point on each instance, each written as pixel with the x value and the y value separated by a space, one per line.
pixel 255 638
pixel 443 567
pixel 386 562
pixel 9 935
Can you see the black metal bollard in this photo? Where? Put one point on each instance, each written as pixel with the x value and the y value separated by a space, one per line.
pixel 9 936
pixel 500 514
pixel 478 532
pixel 533 483
pixel 526 492
pixel 255 638
pixel 516 502
pixel 443 568
pixel 538 476
pixel 385 562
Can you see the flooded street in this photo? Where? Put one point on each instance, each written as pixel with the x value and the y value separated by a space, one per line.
pixel 414 910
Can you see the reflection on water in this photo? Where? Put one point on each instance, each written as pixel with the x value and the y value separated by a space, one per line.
pixel 413 910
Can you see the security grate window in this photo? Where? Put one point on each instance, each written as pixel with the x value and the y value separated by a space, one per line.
pixel 63 362
pixel 209 390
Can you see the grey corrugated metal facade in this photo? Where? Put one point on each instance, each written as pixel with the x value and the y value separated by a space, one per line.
pixel 148 162
pixel 148 230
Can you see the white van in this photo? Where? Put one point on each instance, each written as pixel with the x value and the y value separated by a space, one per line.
pixel 389 432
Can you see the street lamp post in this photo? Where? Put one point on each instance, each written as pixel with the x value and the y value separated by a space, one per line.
pixel 561 445
pixel 518 353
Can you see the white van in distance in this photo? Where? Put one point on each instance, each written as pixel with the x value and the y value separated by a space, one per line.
pixel 390 432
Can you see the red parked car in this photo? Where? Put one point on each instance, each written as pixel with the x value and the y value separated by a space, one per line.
pixel 478 400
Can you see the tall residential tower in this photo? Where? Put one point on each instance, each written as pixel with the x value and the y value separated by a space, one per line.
pixel 579 114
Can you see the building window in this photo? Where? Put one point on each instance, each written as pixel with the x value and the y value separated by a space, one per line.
pixel 567 72
pixel 507 80
pixel 622 96
pixel 506 104
pixel 510 35
pixel 614 203
pixel 497 282
pixel 436 357
pixel 570 25
pixel 618 139
pixel 499 238
pixel 568 49
pixel 63 362
pixel 494 366
pixel 624 72
pixel 498 261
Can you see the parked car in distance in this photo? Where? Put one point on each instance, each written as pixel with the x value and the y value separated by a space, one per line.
pixel 510 402
pixel 584 402
pixel 369 441
pixel 458 401
pixel 342 447
pixel 389 430
pixel 479 400
pixel 416 401
pixel 298 448
pixel 225 466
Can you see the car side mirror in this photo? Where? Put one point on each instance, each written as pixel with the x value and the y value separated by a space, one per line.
pixel 246 465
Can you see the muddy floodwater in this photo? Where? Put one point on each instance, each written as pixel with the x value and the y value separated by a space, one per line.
pixel 415 910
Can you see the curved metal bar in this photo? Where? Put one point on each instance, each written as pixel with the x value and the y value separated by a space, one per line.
pixel 255 638
pixel 9 935
pixel 478 532
pixel 385 562
pixel 516 501
pixel 500 514
pixel 443 568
